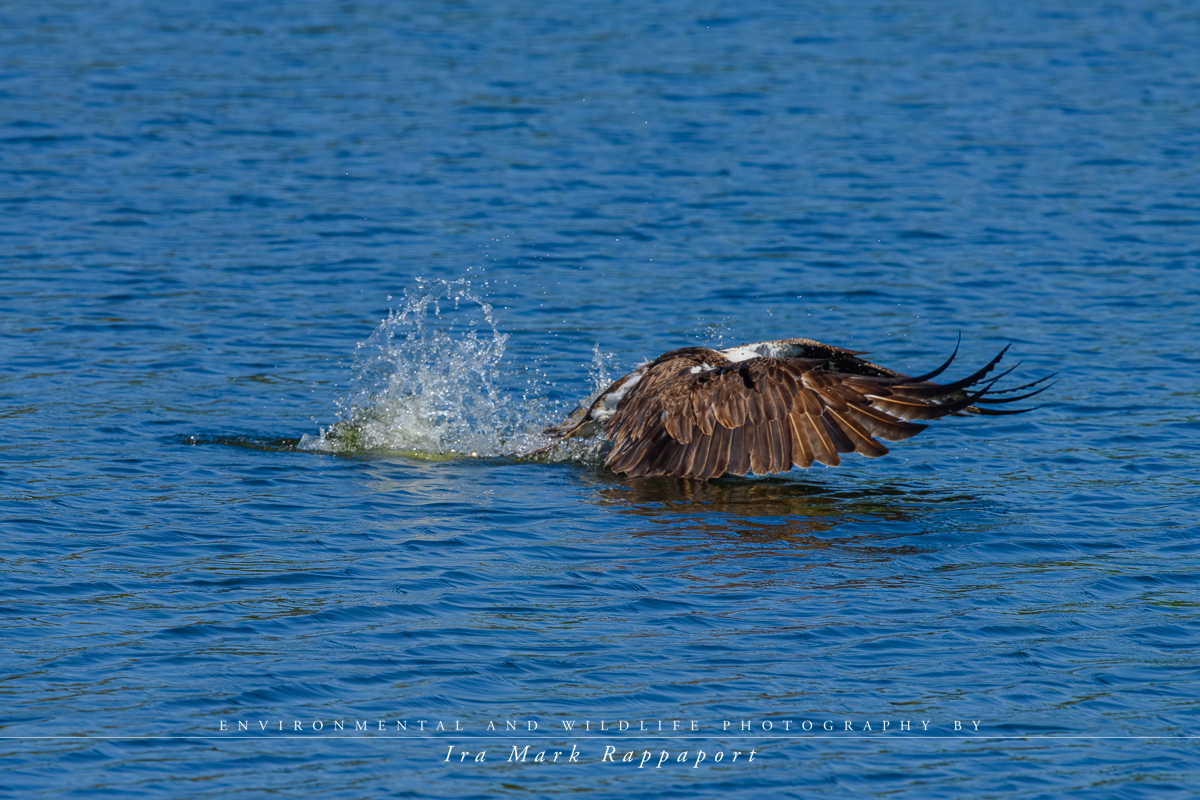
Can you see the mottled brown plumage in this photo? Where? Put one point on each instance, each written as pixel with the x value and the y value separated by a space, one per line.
pixel 764 408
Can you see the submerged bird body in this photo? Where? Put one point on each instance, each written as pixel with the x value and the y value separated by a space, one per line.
pixel 766 407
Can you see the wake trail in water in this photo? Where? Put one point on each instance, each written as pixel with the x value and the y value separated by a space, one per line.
pixel 430 382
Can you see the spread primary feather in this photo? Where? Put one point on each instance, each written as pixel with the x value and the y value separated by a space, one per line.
pixel 766 407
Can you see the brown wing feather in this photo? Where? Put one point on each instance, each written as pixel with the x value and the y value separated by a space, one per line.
pixel 757 446
pixel 695 414
pixel 739 452
pixel 717 458
pixel 781 446
pixel 802 452
pixel 859 438
pixel 884 425
pixel 703 446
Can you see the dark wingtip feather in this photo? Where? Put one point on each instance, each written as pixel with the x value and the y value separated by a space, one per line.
pixel 998 400
pixel 970 380
pixel 1026 385
pixel 1002 412
pixel 942 368
pixel 1007 372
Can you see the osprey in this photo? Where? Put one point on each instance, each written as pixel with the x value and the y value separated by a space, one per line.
pixel 766 407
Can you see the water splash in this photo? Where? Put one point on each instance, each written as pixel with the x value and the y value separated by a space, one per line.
pixel 601 372
pixel 429 383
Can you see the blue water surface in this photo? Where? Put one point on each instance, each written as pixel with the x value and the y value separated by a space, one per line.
pixel 222 517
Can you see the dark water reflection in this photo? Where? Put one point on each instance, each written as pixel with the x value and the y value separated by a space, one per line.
pixel 779 508
pixel 773 497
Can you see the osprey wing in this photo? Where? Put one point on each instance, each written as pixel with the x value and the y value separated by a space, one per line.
pixel 766 415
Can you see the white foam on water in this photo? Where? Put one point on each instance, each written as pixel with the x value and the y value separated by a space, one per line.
pixel 430 382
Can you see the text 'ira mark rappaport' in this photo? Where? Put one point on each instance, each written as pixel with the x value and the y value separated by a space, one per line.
pixel 610 756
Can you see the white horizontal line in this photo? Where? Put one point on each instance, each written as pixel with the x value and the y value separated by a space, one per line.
pixel 554 737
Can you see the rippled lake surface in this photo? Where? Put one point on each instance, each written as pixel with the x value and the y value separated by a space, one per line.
pixel 271 272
